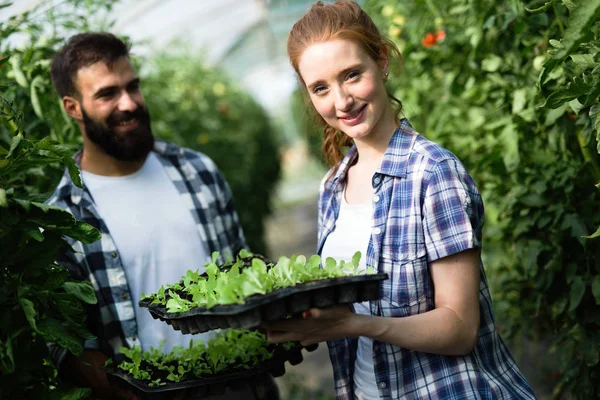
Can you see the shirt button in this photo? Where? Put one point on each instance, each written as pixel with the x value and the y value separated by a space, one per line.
pixel 377 231
pixel 383 385
pixel 376 199
pixel 114 254
pixel 134 337
pixel 124 296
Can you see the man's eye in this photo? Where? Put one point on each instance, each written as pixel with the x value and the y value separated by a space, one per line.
pixel 106 95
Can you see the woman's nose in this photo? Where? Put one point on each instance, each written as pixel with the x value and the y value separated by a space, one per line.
pixel 343 100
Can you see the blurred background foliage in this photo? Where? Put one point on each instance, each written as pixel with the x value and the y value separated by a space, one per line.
pixel 213 115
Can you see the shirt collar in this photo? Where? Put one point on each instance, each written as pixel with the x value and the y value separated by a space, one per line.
pixel 395 159
pixel 67 189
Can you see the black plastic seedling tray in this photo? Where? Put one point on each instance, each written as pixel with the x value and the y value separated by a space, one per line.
pixel 272 306
pixel 201 388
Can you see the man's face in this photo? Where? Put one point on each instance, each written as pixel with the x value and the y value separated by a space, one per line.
pixel 113 111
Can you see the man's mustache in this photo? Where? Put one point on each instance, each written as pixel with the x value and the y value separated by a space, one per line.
pixel 117 117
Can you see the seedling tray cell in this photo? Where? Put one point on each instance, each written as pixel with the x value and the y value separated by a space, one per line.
pixel 200 388
pixel 273 306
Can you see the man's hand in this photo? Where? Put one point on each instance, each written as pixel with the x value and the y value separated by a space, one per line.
pixel 85 371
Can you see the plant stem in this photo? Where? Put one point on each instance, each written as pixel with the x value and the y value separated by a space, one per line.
pixel 433 8
pixel 588 156
pixel 559 20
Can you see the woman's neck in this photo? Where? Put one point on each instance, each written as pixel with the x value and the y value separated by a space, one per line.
pixel 372 148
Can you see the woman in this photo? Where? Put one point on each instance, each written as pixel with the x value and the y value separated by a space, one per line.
pixel 410 206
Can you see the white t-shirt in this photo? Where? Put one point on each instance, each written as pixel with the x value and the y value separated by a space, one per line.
pixel 156 236
pixel 352 233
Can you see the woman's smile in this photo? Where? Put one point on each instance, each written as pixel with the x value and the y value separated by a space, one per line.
pixel 354 118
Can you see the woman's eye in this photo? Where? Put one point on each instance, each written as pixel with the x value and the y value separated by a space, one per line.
pixel 353 74
pixel 318 89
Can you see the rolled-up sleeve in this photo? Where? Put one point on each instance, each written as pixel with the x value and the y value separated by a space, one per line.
pixel 453 211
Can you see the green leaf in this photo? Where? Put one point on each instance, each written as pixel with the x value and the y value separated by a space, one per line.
pixel 29 310
pixel 583 61
pixel 569 4
pixel 34 232
pixel 596 288
pixel 18 72
pixel 572 91
pixel 543 8
pixel 510 140
pixel 491 64
pixel 595 118
pixel 519 100
pixel 577 292
pixel 16 140
pixel 82 290
pixel 593 235
pixel 356 259
pixel 591 352
pixel 76 394
pixel 5 59
pixel 579 27
pixel 7 358
pixel 3 201
pixel 57 332
pixel 84 232
pixel 36 83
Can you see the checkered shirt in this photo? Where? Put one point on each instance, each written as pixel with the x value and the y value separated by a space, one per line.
pixel 208 198
pixel 425 207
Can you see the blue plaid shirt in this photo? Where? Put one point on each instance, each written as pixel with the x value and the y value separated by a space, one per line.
pixel 208 198
pixel 425 207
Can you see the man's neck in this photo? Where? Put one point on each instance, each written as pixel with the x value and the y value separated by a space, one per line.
pixel 96 161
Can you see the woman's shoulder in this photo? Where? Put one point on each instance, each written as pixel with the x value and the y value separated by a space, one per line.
pixel 429 155
pixel 431 150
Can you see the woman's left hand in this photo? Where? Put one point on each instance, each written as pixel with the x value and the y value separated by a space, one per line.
pixel 317 325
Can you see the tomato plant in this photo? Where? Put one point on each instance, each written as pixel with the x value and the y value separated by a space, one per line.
pixel 513 91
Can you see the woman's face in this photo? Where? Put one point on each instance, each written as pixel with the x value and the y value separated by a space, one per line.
pixel 346 87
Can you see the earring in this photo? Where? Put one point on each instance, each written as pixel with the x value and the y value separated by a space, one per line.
pixel 385 76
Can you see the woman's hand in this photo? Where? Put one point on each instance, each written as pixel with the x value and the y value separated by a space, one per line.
pixel 316 325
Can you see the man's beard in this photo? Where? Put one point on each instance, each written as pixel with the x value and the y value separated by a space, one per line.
pixel 133 145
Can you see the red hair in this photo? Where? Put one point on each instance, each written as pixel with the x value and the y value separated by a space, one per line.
pixel 341 20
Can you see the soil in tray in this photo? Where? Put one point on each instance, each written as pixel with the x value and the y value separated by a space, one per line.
pixel 234 378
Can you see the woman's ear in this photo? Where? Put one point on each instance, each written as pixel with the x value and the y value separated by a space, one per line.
pixel 384 61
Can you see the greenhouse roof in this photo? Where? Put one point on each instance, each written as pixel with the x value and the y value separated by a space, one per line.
pixel 244 37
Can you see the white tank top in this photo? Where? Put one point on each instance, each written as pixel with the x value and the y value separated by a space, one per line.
pixel 352 233
pixel 156 236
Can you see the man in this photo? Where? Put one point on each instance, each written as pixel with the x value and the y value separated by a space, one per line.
pixel 161 209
